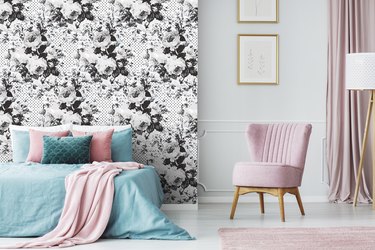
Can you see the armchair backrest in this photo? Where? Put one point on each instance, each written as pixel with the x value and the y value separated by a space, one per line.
pixel 280 142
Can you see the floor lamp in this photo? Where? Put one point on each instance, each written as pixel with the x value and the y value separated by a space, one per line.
pixel 360 75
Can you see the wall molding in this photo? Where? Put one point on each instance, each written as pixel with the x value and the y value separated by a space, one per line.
pixel 209 129
pixel 205 189
pixel 324 164
pixel 204 132
pixel 259 121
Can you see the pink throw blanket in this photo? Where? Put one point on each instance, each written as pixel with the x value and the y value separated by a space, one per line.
pixel 87 206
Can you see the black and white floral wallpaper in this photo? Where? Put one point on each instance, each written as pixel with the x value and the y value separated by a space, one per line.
pixel 104 62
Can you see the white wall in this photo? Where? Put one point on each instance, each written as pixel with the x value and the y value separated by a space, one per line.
pixel 225 108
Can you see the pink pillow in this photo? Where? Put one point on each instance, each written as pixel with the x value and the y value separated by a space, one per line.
pixel 36 143
pixel 100 149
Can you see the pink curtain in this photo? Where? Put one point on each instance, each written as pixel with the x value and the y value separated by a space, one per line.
pixel 351 29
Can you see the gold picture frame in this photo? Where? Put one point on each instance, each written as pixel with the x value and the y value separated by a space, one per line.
pixel 258 11
pixel 258 59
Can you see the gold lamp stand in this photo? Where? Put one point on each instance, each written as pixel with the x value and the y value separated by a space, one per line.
pixel 370 111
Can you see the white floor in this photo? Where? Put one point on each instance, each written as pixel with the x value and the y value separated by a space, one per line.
pixel 204 223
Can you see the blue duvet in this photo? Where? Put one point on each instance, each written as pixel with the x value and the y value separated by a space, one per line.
pixel 32 197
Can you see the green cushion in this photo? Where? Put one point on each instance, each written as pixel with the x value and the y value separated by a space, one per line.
pixel 66 150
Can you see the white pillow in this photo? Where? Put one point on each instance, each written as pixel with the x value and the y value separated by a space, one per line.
pixel 91 129
pixel 58 128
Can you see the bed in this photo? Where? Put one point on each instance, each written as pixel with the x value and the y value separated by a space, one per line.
pixel 32 197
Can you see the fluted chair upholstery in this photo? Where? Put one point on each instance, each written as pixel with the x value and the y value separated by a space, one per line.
pixel 278 152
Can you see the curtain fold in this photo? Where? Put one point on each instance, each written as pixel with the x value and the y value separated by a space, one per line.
pixel 351 29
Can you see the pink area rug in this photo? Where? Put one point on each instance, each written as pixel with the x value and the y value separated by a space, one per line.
pixel 297 238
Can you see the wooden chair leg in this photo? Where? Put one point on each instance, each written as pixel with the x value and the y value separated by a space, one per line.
pixel 281 204
pixel 234 204
pixel 299 201
pixel 261 201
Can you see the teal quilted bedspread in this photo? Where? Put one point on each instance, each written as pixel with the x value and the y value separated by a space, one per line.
pixel 32 197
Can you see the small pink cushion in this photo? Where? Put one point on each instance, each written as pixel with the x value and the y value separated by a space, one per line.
pixel 100 149
pixel 36 143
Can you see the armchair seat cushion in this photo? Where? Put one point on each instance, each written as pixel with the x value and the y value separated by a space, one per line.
pixel 264 174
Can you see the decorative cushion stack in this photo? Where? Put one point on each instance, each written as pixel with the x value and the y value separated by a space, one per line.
pixel 121 146
pixel 20 138
pixel 55 145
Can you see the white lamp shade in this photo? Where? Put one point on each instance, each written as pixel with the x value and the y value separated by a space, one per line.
pixel 360 71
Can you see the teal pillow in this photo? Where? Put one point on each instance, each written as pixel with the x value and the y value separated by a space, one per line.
pixel 20 145
pixel 66 150
pixel 121 147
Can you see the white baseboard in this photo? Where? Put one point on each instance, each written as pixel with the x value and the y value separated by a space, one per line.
pixel 168 207
pixel 251 199
pixel 242 199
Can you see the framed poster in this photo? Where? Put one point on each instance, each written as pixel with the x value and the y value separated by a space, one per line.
pixel 258 11
pixel 258 59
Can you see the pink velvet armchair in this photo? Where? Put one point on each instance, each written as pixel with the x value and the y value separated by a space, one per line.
pixel 278 152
